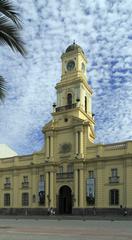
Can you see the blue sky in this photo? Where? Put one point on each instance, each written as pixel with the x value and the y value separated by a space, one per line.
pixel 103 28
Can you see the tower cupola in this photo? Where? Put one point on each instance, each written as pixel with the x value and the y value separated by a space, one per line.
pixel 74 63
pixel 74 47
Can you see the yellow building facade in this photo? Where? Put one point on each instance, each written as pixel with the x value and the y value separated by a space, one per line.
pixel 71 173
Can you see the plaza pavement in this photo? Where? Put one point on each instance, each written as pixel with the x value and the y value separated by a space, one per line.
pixel 64 228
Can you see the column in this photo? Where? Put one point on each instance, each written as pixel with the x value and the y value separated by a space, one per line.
pixel 76 188
pixel 99 188
pixel 81 142
pixel 34 188
pixel 47 146
pixel 52 153
pixel 51 189
pixel 81 189
pixel 47 189
pixel 15 192
pixel 76 141
pixel 127 183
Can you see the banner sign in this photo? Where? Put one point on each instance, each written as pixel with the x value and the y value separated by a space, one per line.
pixel 41 192
pixel 41 186
pixel 90 187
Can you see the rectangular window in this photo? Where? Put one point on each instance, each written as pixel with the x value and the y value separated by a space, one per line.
pixel 91 174
pixel 25 179
pixel 7 180
pixel 70 168
pixel 41 178
pixel 7 183
pixel 85 104
pixel 61 169
pixel 25 199
pixel 7 199
pixel 41 190
pixel 114 197
pixel 114 172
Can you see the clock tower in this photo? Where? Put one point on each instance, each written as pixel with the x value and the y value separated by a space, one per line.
pixel 73 62
pixel 73 91
pixel 72 128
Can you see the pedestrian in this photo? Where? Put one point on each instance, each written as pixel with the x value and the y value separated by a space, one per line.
pixel 125 211
pixel 52 212
pixel 94 211
pixel 48 212
pixel 121 210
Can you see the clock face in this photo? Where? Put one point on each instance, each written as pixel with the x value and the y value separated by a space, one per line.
pixel 70 65
pixel 83 67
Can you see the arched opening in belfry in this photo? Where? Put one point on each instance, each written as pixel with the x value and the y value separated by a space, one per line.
pixel 85 104
pixel 69 99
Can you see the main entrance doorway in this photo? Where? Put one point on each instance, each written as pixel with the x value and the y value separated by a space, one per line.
pixel 65 200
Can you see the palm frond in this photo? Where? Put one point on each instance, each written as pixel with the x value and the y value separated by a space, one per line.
pixel 9 35
pixel 9 11
pixel 2 88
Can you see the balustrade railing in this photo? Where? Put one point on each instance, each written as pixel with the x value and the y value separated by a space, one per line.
pixel 64 175
pixel 25 184
pixel 115 146
pixel 7 185
pixel 114 179
pixel 66 107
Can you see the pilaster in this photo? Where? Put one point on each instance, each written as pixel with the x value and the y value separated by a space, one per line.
pixel 47 147
pixel 81 188
pixel 51 189
pixel 81 143
pixel 76 142
pixel 15 193
pixel 76 188
pixel 99 187
pixel 47 189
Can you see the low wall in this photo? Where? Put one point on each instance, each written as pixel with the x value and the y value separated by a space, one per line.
pixel 75 211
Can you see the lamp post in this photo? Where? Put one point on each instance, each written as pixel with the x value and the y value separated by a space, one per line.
pixel 54 106
pixel 78 101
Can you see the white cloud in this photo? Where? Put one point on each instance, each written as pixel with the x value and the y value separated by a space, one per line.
pixel 103 29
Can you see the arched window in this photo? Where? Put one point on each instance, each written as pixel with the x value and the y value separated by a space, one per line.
pixel 61 169
pixel 70 168
pixel 114 196
pixel 85 104
pixel 69 99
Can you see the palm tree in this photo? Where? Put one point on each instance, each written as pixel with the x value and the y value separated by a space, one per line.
pixel 10 27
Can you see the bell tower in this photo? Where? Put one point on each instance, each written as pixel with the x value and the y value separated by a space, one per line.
pixel 71 130
pixel 73 63
pixel 73 92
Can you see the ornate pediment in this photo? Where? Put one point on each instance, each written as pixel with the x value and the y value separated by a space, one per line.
pixel 48 126
pixel 76 121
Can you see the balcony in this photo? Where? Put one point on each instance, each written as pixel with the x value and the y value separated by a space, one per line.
pixel 7 185
pixel 25 184
pixel 114 179
pixel 66 175
pixel 66 107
